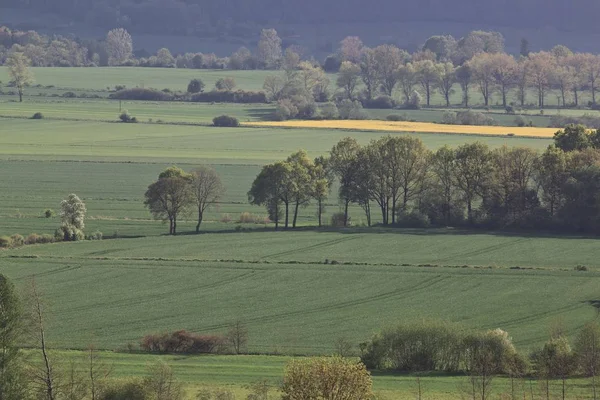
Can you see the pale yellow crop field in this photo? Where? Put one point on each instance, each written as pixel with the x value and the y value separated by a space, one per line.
pixel 422 127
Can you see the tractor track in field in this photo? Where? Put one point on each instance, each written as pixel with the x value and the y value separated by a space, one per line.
pixel 482 251
pixel 312 247
pixel 426 284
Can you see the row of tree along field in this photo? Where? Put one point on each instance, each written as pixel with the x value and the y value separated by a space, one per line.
pixel 470 185
pixel 407 185
pixel 476 62
pixel 479 357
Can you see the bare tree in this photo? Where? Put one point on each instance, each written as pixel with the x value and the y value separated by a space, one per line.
pixel 540 67
pixel 161 383
pixel 447 77
pixel 348 78
pixel 207 189
pixel 43 375
pixel 483 67
pixel 428 76
pixel 97 372
pixel 504 73
pixel 237 335
pixel 388 59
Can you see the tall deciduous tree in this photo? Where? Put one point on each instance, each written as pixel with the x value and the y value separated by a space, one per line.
pixel 322 181
pixel 119 46
pixel 19 72
pixel 269 48
pixel 428 76
pixel 550 175
pixel 12 382
pixel 388 59
pixel 271 188
pixel 540 67
pixel 447 77
pixel 464 76
pixel 483 74
pixel 351 48
pixel 207 189
pixel 72 215
pixel 342 157
pixel 369 72
pixel 348 78
pixel 473 168
pixel 504 73
pixel 587 350
pixel 169 196
pixel 407 79
pixel 301 178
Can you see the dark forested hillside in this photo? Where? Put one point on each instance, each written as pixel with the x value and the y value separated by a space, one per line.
pixel 144 14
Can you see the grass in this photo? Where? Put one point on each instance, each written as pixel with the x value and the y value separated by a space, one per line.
pixel 278 284
pixel 420 127
pixel 235 373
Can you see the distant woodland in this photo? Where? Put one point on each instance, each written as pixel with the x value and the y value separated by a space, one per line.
pixel 194 16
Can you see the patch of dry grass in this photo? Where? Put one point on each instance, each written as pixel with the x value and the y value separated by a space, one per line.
pixel 421 127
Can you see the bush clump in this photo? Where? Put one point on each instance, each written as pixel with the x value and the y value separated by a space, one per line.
pixel 96 236
pixel 37 115
pixel 17 240
pixel 229 96
pixel 5 242
pixel 468 117
pixel 226 121
pixel 48 213
pixel 182 342
pixel 337 220
pixel 395 117
pixel 127 118
pixel 412 219
pixel 141 94
pixel 383 101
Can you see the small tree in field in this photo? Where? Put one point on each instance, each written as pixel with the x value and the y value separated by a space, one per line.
pixel 169 196
pixel 195 86
pixel 19 72
pixel 237 335
pixel 227 83
pixel 333 378
pixel 207 189
pixel 72 214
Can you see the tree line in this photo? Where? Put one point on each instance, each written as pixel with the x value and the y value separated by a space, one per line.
pixel 483 355
pixel 406 184
pixel 476 62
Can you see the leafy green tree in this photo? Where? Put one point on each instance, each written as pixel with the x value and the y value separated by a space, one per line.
pixel 301 179
pixel 573 137
pixel 464 76
pixel 272 188
pixel 269 48
pixel 407 79
pixel 72 214
pixel 322 181
pixel 388 59
pixel 341 158
pixel 447 77
pixel 195 86
pixel 369 72
pixel 19 72
pixel 119 46
pixel 227 83
pixel 443 181
pixel 12 380
pixel 551 174
pixel 332 378
pixel 555 361
pixel 348 78
pixel 473 168
pixel 428 76
pixel 169 196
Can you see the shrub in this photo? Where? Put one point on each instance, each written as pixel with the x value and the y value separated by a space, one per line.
pixel 470 117
pixel 182 342
pixel 127 118
pixel 328 111
pixel 141 94
pixel 449 118
pixel 48 213
pixel 349 109
pixel 520 121
pixel 69 95
pixel 413 219
pixel 246 218
pixel 581 268
pixel 285 110
pixel 95 236
pixel 195 86
pixel 588 120
pixel 47 238
pixel 415 101
pixel 382 101
pixel 312 378
pixel 226 121
pixel 5 242
pixel 395 117
pixel 337 220
pixel 133 389
pixel 37 115
pixel 227 83
pixel 32 238
pixel 17 240
pixel 226 218
pixel 225 96
pixel 332 63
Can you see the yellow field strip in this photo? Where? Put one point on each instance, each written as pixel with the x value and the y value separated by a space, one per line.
pixel 422 127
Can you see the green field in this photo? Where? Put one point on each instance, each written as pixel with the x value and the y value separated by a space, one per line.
pixel 112 292
pixel 291 301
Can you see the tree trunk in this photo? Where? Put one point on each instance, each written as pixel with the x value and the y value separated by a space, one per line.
pixel 174 226
pixel 20 96
pixel 346 204
pixel 470 212
pixel 594 93
pixel 295 214
pixel 200 216
pixel 428 92
pixel 287 214
pixel 503 97
pixel 320 212
pixel 170 225
pixel 576 97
